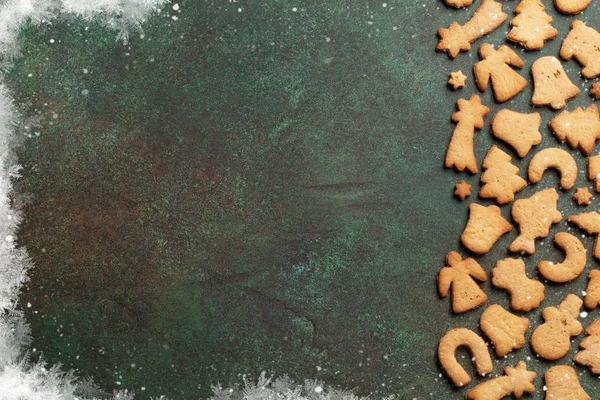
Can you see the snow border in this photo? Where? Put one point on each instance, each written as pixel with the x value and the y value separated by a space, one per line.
pixel 19 378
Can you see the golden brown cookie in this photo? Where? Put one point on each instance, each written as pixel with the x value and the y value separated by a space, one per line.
pixel 552 339
pixel 460 154
pixel 551 85
pixel 505 330
pixel 457 38
pixel 582 196
pixel 582 43
pixel 459 273
pixel 589 353
pixel 554 158
pixel 515 381
pixel 589 222
pixel 573 264
pixel 520 131
pixel 496 66
pixel 485 226
pixel 462 337
pixel 591 299
pixel 595 90
pixel 525 294
pixel 562 383
pixel 571 6
pixel 535 216
pixel 593 165
pixel 532 26
pixel 457 79
pixel 458 3
pixel 500 179
pixel 462 190
pixel 579 128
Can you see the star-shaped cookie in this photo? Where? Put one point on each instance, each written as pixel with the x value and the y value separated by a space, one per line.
pixel 457 79
pixel 582 196
pixel 595 90
pixel 463 190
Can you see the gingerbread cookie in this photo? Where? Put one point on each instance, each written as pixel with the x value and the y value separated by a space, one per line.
pixel 593 165
pixel 535 216
pixel 573 264
pixel 496 65
pixel 562 383
pixel 582 196
pixel 457 38
pixel 460 274
pixel 592 293
pixel 501 180
pixel 552 339
pixel 532 26
pixel 505 330
pixel 515 381
pixel 520 131
pixel 485 226
pixel 462 190
pixel 458 3
pixel 554 158
pixel 525 294
pixel 582 43
pixel 571 6
pixel 457 79
pixel 551 85
pixel 460 154
pixel 579 128
pixel 460 337
pixel 589 353
pixel 589 222
pixel 595 90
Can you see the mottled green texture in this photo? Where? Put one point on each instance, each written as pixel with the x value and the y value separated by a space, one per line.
pixel 254 190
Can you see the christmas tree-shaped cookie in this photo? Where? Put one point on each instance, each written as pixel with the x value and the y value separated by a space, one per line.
pixel 580 128
pixel 532 26
pixel 501 180
pixel 589 353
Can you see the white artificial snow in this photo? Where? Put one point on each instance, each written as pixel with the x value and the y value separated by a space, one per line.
pixel 20 379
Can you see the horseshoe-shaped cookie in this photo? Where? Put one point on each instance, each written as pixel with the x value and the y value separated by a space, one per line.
pixel 460 337
pixel 573 264
pixel 554 158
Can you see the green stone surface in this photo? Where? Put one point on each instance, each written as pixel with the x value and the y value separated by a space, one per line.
pixel 258 189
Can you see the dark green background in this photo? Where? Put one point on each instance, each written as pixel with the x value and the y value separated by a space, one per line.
pixel 256 190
